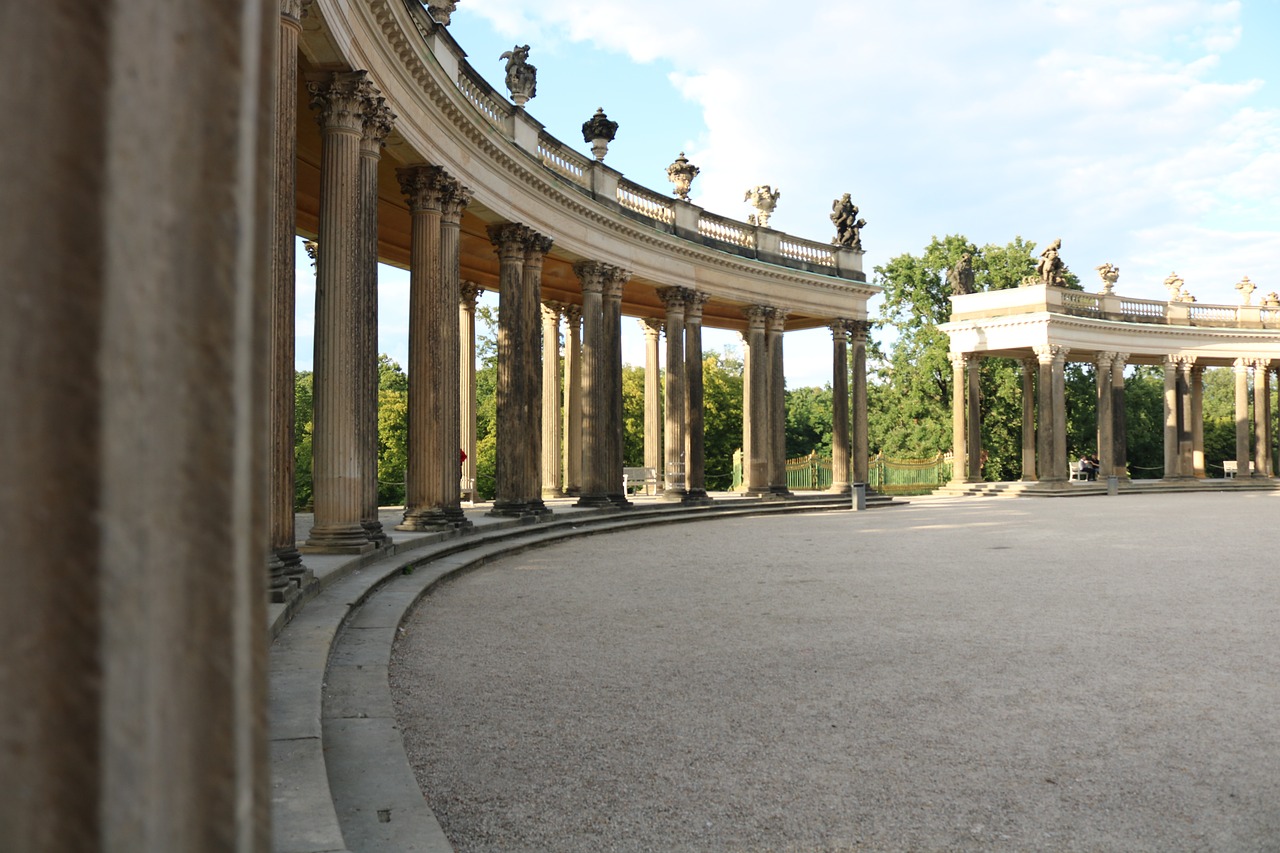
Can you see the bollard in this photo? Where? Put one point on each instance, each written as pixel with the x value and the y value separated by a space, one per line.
pixel 1113 485
pixel 859 496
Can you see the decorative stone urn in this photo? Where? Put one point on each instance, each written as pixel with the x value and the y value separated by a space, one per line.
pixel 1110 274
pixel 599 131
pixel 681 173
pixel 764 199
pixel 1246 289
pixel 441 10
pixel 1174 285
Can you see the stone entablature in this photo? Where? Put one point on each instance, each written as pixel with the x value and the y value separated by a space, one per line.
pixel 453 118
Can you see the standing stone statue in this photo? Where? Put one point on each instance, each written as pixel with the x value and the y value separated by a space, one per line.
pixel 764 199
pixel 844 215
pixel 522 78
pixel 1050 266
pixel 960 277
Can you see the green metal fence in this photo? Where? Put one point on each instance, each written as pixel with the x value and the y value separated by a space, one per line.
pixel 908 476
pixel 809 473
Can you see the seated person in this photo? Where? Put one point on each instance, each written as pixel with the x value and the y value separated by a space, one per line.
pixel 1089 466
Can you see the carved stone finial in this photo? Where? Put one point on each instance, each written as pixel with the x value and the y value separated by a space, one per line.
pixel 1110 274
pixel 1174 285
pixel 441 10
pixel 764 199
pixel 844 216
pixel 681 173
pixel 599 131
pixel 1246 289
pixel 522 78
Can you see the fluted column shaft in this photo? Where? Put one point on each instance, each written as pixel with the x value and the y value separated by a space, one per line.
pixel 860 450
pixel 974 418
pixel 1060 461
pixel 695 436
pixel 756 386
pixel 959 446
pixel 746 410
pixel 467 294
pixel 551 400
pixel 840 407
pixel 595 393
pixel 378 121
pixel 1197 420
pixel 536 248
pixel 777 406
pixel 1186 445
pixel 1119 430
pixel 673 432
pixel 1171 458
pixel 611 310
pixel 1260 453
pixel 1028 419
pixel 1242 417
pixel 287 573
pixel 652 396
pixel 573 400
pixel 337 469
pixel 1105 441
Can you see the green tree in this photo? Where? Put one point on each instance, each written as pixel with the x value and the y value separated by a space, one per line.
pixel 303 406
pixel 809 421
pixel 633 416
pixel 393 431
pixel 722 415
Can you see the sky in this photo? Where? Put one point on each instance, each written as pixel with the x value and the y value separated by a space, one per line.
pixel 1145 134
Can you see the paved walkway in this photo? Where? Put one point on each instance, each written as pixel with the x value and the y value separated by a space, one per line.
pixel 1097 674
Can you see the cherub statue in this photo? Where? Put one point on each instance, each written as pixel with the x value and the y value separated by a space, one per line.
pixel 1050 266
pixel 960 277
pixel 522 78
pixel 844 215
pixel 764 199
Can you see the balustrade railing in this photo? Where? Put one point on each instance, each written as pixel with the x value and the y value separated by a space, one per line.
pixel 634 197
pixel 808 251
pixel 1142 310
pixel 478 92
pixel 1224 314
pixel 565 161
pixel 1081 303
pixel 727 230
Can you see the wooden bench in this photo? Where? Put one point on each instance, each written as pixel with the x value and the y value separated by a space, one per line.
pixel 1076 473
pixel 645 478
pixel 1229 469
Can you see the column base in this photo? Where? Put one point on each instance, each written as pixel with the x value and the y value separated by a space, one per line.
pixel 620 501
pixel 373 530
pixel 673 494
pixel 347 539
pixel 534 508
pixel 697 497
pixel 840 489
pixel 549 494
pixel 781 491
pixel 430 520
pixel 594 501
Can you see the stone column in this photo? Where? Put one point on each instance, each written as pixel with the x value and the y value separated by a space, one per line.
pixel 746 410
pixel 467 294
pixel 1044 415
pixel 337 469
pixel 1029 366
pixel 136 251
pixel 1060 463
pixel 777 406
pixel 1119 437
pixel 614 280
pixel 652 396
pixel 378 121
pixel 535 250
pixel 1266 419
pixel 573 400
pixel 673 432
pixel 595 396
pixel 1242 417
pixel 519 451
pixel 1260 454
pixel 840 407
pixel 861 441
pixel 959 446
pixel 974 418
pixel 695 438
pixel 1186 449
pixel 1171 467
pixel 1197 421
pixel 287 573
pixel 755 385
pixel 1105 439
pixel 551 400
pixel 433 496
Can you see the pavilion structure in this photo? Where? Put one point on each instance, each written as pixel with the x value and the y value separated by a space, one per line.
pixel 1044 326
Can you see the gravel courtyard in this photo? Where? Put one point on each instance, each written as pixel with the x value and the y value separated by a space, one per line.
pixel 1029 674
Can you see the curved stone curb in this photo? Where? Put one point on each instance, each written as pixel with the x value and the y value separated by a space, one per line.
pixel 341 781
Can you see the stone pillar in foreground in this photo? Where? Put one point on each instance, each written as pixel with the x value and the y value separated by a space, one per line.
pixel 573 400
pixel 695 438
pixel 1260 432
pixel 611 311
pixel 1197 420
pixel 840 407
pixel 673 432
pixel 959 445
pixel 136 251
pixel 595 397
pixel 1119 433
pixel 337 469
pixel 1029 366
pixel 1242 417
pixel 1186 447
pixel 860 450
pixel 777 406
pixel 551 400
pixel 1105 441
pixel 1060 461
pixel 467 294
pixel 652 396
pixel 755 386
pixel 288 575
pixel 1044 414
pixel 974 418
pixel 378 121
pixel 1172 469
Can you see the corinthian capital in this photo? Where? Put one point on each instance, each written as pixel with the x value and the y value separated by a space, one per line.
pixel 673 297
pixel 693 301
pixel 378 120
pixel 757 315
pixel 339 99
pixel 421 186
pixel 509 238
pixel 468 292
pixel 591 275
pixel 454 198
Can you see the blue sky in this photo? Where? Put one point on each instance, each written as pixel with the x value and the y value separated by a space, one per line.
pixel 1146 134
